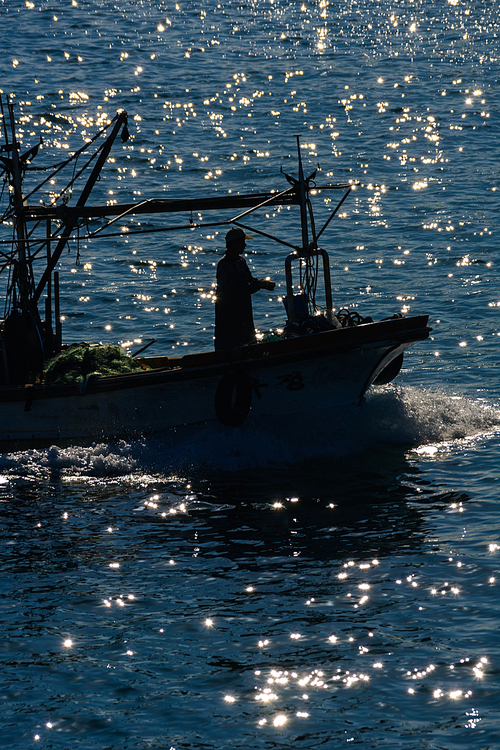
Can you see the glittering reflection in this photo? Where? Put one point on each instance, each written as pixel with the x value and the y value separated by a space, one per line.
pixel 267 572
pixel 255 637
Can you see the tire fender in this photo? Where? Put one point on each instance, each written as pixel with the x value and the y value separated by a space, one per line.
pixel 233 398
pixel 389 373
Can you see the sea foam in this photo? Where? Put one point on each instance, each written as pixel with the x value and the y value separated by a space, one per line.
pixel 405 416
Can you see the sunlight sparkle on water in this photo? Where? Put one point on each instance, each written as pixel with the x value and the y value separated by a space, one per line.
pixel 279 720
pixel 427 450
pixel 266 695
pixel 409 135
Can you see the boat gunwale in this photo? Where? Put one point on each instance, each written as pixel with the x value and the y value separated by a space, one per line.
pixel 257 356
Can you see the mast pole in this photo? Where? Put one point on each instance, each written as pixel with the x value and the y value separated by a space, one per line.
pixel 303 202
pixel 23 274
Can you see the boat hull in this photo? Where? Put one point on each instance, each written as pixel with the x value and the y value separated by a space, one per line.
pixel 292 376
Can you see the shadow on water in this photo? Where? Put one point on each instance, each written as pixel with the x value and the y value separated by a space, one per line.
pixel 257 553
pixel 370 505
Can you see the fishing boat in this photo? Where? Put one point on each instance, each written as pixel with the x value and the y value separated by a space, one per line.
pixel 321 359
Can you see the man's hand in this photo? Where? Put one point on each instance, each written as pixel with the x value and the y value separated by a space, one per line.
pixel 267 284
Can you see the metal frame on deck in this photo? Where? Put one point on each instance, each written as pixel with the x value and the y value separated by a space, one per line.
pixel 61 221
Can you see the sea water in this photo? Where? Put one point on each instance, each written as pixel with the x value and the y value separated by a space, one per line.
pixel 304 585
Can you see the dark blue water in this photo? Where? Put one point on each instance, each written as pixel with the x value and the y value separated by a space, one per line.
pixel 307 585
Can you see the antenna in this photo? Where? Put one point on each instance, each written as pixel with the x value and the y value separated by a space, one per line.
pixel 301 185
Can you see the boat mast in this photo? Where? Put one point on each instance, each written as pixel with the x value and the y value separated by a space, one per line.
pixel 307 255
pixel 301 188
pixel 25 340
pixel 22 272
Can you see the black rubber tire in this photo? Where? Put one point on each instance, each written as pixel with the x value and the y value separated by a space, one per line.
pixel 389 372
pixel 233 398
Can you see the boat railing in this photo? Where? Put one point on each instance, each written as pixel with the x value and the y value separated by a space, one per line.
pixel 293 303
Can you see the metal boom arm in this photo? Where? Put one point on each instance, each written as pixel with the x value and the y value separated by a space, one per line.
pixel 121 120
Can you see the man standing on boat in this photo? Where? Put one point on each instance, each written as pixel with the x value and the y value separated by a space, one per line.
pixel 235 285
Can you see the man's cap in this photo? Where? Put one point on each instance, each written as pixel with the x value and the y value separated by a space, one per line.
pixel 236 234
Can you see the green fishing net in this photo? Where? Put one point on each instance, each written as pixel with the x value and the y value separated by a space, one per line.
pixel 79 362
